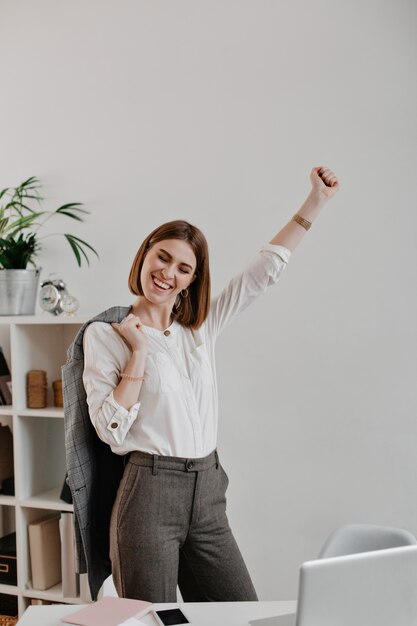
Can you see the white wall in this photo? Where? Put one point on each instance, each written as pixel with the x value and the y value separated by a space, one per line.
pixel 215 111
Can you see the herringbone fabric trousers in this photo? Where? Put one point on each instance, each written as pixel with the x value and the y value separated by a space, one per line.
pixel 169 527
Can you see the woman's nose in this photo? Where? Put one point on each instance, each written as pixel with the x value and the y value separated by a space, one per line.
pixel 168 271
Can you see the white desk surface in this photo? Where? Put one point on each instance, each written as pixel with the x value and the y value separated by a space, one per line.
pixel 199 613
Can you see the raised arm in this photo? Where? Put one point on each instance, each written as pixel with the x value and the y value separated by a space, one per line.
pixel 267 266
pixel 324 185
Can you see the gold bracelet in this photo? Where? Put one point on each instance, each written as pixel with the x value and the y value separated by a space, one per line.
pixel 300 220
pixel 129 377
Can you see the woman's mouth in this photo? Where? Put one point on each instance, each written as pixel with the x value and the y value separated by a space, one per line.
pixel 160 285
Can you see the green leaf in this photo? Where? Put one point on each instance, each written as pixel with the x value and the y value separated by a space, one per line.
pixel 77 247
pixel 74 248
pixel 70 205
pixel 3 192
pixel 22 223
pixel 74 206
pixel 84 243
pixel 3 223
pixel 74 217
pixel 27 195
pixel 31 183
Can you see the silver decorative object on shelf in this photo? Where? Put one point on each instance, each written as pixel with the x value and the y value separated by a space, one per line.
pixel 55 299
pixel 69 305
pixel 50 295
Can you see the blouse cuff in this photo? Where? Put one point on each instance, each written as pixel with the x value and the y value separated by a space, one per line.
pixel 121 421
pixel 281 251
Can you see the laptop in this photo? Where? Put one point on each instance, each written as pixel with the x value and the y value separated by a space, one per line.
pixel 366 589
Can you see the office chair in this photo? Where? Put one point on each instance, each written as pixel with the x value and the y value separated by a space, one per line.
pixel 355 538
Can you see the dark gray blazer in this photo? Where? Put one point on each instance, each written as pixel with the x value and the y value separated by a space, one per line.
pixel 94 471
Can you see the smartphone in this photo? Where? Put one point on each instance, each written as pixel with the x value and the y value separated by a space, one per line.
pixel 170 617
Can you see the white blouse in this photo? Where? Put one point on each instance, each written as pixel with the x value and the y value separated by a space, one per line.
pixel 177 409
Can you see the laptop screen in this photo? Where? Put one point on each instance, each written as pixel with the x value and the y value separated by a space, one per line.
pixel 366 589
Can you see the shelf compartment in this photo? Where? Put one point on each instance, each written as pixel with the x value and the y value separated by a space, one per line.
pixel 29 515
pixel 40 457
pixel 39 347
pixel 10 590
pixel 49 500
pixel 7 515
pixel 54 594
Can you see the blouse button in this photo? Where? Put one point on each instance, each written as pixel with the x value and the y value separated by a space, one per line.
pixel 167 333
pixel 114 424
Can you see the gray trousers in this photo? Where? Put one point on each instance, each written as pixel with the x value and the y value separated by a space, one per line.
pixel 169 527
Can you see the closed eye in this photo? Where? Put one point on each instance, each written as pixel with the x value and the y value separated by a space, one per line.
pixel 164 260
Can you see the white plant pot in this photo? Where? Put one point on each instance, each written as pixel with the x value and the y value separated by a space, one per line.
pixel 18 291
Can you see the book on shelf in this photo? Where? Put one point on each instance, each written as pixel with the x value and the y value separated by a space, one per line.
pixel 5 380
pixel 70 578
pixel 85 593
pixel 45 552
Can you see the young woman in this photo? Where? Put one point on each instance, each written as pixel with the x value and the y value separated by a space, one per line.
pixel 152 396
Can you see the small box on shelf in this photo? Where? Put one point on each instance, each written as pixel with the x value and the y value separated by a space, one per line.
pixel 37 387
pixel 8 561
pixel 8 609
pixel 58 397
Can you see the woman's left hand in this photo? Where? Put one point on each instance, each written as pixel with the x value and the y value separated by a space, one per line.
pixel 324 181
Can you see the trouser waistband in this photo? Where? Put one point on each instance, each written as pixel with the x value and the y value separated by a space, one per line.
pixel 173 462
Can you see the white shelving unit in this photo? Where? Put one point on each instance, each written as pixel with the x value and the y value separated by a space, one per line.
pixel 34 342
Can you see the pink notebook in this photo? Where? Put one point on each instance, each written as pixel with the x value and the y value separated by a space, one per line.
pixel 108 611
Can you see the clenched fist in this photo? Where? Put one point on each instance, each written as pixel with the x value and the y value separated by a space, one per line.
pixel 131 331
pixel 324 181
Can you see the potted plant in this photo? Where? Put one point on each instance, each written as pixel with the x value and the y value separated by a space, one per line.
pixel 20 243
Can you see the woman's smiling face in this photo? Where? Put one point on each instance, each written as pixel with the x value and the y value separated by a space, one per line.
pixel 168 268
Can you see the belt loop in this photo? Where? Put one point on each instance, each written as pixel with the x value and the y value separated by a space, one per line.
pixel 155 465
pixel 217 459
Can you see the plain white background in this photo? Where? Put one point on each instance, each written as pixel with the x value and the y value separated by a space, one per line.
pixel 215 112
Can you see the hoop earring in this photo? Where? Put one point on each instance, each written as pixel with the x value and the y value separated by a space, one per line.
pixel 184 293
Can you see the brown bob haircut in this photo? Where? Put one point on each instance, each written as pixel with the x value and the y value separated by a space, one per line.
pixel 192 310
